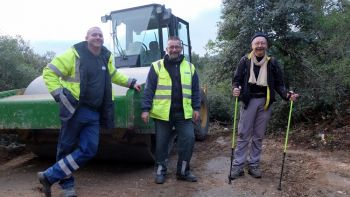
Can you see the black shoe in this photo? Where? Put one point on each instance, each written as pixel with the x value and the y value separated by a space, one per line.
pixel 160 179
pixel 254 171
pixel 236 172
pixel 46 184
pixel 188 177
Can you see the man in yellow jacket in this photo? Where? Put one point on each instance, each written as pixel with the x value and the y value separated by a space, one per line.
pixel 80 81
pixel 172 99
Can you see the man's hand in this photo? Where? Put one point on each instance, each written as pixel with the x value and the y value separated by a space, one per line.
pixel 195 116
pixel 145 117
pixel 292 96
pixel 236 91
pixel 137 87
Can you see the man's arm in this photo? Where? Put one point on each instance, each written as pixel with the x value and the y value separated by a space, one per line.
pixel 148 94
pixel 121 79
pixel 150 89
pixel 52 82
pixel 237 77
pixel 196 96
pixel 58 67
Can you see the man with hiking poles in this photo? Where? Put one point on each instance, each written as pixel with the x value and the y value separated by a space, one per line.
pixel 255 81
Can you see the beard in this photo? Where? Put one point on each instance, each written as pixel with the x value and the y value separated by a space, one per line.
pixel 174 56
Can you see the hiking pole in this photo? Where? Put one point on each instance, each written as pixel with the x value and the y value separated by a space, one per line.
pixel 233 137
pixel 285 144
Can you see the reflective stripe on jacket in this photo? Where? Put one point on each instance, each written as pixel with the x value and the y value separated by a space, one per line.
pixel 162 98
pixel 63 72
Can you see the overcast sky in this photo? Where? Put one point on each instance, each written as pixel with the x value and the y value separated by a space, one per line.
pixel 58 21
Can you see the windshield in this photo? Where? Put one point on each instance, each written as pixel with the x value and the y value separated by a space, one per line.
pixel 135 32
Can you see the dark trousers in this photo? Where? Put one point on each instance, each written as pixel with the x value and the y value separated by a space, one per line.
pixel 185 142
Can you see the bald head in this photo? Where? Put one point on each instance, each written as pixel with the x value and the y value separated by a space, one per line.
pixel 94 38
pixel 93 29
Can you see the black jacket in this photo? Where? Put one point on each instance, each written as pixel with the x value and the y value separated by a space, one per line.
pixel 106 108
pixel 274 80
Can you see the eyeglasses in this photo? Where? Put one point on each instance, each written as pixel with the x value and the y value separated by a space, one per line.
pixel 174 47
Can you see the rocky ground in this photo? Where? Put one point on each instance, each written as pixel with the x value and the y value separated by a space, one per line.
pixel 312 168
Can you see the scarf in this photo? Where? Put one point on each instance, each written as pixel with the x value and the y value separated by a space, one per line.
pixel 262 77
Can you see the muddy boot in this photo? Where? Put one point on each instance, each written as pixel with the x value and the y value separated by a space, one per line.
pixel 46 184
pixel 254 171
pixel 160 179
pixel 69 192
pixel 183 172
pixel 160 175
pixel 187 177
pixel 236 172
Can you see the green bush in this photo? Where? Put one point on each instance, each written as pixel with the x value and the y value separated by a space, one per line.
pixel 221 108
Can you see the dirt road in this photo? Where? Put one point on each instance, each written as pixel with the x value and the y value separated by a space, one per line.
pixel 307 173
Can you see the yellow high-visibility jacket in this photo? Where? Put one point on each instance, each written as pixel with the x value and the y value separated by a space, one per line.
pixel 63 72
pixel 162 97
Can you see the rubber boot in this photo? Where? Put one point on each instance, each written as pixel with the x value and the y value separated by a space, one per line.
pixel 45 183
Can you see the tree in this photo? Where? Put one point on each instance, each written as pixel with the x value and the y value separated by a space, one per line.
pixel 287 24
pixel 19 65
pixel 309 38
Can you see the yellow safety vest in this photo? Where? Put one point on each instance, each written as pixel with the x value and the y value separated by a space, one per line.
pixel 162 97
pixel 63 72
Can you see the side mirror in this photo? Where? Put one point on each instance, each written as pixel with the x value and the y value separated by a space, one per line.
pixel 105 18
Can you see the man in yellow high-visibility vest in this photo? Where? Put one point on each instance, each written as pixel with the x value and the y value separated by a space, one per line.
pixel 172 99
